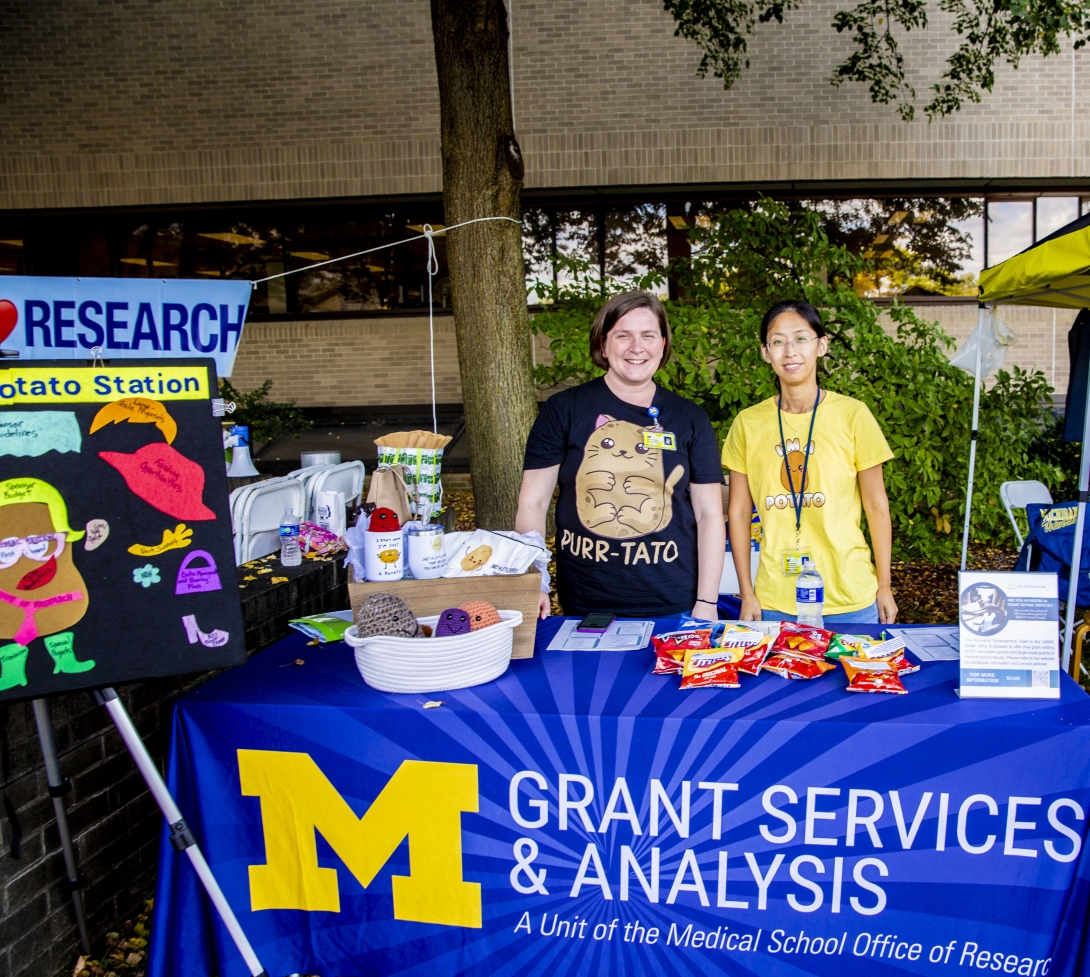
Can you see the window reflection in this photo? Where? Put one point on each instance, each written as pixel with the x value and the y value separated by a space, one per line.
pixel 1010 229
pixel 211 247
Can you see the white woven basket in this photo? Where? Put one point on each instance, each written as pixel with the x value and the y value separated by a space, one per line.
pixel 419 665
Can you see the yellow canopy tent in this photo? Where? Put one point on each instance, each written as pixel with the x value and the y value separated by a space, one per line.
pixel 1055 273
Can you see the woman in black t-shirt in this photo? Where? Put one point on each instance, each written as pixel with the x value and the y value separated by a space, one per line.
pixel 639 519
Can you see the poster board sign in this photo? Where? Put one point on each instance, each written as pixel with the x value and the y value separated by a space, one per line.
pixel 116 558
pixel 129 318
pixel 1009 629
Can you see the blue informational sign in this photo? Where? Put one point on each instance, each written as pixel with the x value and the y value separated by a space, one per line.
pixel 580 815
pixel 129 318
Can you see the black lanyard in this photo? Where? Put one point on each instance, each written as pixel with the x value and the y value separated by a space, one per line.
pixel 796 500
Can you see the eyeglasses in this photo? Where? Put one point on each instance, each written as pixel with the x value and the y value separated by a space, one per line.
pixel 799 342
pixel 34 547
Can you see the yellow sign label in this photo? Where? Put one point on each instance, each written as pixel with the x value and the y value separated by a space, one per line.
pixel 88 384
pixel 422 801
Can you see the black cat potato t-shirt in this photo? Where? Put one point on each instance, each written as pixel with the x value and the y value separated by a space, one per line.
pixel 625 528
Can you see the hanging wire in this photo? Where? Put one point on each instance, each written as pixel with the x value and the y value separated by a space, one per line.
pixel 433 269
pixel 429 234
pixel 393 244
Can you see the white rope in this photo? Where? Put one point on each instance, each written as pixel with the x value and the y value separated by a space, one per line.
pixel 392 244
pixel 433 268
pixel 429 233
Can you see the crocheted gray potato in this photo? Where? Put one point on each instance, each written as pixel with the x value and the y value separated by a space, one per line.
pixel 386 614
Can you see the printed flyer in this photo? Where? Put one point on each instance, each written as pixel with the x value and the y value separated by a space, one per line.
pixel 1009 634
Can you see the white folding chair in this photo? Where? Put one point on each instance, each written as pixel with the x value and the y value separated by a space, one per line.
pixel 346 477
pixel 262 510
pixel 1017 495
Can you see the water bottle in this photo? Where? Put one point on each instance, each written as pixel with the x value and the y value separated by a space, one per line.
pixel 810 596
pixel 290 553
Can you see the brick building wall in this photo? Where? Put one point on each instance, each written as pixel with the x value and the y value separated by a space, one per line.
pixel 131 103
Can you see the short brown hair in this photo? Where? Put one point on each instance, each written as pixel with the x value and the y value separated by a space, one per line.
pixel 621 305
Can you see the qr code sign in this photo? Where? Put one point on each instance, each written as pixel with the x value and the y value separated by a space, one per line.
pixel 1040 678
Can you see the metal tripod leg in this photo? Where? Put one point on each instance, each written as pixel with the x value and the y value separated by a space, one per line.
pixel 58 787
pixel 180 835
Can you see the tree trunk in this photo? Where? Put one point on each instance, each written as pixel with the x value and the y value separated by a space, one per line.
pixel 482 177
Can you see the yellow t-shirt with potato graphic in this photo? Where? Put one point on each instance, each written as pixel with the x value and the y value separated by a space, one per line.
pixel 846 441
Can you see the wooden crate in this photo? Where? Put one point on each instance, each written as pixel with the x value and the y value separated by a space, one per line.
pixel 425 597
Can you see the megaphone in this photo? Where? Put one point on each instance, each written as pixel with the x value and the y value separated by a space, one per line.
pixel 242 465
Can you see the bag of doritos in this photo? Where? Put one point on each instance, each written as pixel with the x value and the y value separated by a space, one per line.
pixel 872 675
pixel 670 648
pixel 802 639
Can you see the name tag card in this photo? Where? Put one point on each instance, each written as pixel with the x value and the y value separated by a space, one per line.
pixel 1009 630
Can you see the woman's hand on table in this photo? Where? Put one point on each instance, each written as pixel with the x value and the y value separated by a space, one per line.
pixel 887 606
pixel 751 608
pixel 543 605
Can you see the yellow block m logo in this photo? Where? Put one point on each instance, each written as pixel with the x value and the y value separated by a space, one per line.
pixel 422 800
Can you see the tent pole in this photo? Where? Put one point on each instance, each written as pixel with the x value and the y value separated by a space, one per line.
pixel 972 444
pixel 1080 525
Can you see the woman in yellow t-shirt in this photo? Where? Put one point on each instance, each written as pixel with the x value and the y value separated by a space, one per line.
pixel 820 449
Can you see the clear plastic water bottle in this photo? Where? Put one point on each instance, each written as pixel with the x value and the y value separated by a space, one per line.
pixel 290 553
pixel 810 596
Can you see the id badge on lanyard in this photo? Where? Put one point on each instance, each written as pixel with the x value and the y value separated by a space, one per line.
pixel 657 437
pixel 793 560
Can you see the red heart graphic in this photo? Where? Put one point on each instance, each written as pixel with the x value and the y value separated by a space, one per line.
pixel 9 315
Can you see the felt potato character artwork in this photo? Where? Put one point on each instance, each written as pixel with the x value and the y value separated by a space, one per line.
pixel 475 559
pixel 621 487
pixel 42 593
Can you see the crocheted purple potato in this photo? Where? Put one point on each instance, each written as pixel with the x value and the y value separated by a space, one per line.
pixel 451 622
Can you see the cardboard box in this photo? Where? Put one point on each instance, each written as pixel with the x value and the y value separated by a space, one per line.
pixel 424 597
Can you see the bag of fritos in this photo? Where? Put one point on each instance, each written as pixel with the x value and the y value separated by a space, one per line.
pixel 711 668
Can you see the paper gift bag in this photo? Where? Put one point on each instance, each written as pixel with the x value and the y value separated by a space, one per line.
pixel 389 491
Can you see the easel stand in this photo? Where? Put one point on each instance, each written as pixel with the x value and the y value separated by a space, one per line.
pixel 180 835
pixel 58 787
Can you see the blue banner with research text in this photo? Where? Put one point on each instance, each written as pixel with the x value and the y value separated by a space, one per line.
pixel 56 318
pixel 581 816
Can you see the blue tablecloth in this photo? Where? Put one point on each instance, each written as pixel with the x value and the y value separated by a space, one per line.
pixel 361 833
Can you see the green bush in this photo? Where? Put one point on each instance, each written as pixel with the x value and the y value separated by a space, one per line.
pixel 748 259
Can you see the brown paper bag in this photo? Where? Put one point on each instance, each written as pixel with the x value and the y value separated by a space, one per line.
pixel 388 490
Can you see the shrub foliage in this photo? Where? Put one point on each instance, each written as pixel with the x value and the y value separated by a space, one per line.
pixel 748 259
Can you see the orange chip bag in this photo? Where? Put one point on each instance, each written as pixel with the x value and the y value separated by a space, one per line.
pixel 802 639
pixel 711 667
pixel 872 675
pixel 798 666
pixel 670 648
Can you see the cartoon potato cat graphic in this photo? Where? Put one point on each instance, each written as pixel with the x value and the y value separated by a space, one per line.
pixel 795 460
pixel 621 489
pixel 41 591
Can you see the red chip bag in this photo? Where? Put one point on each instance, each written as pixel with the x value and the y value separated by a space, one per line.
pixel 902 664
pixel 801 639
pixel 872 675
pixel 754 657
pixel 670 648
pixel 711 668
pixel 797 666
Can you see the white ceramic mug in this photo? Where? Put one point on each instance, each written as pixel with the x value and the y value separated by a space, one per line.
pixel 383 556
